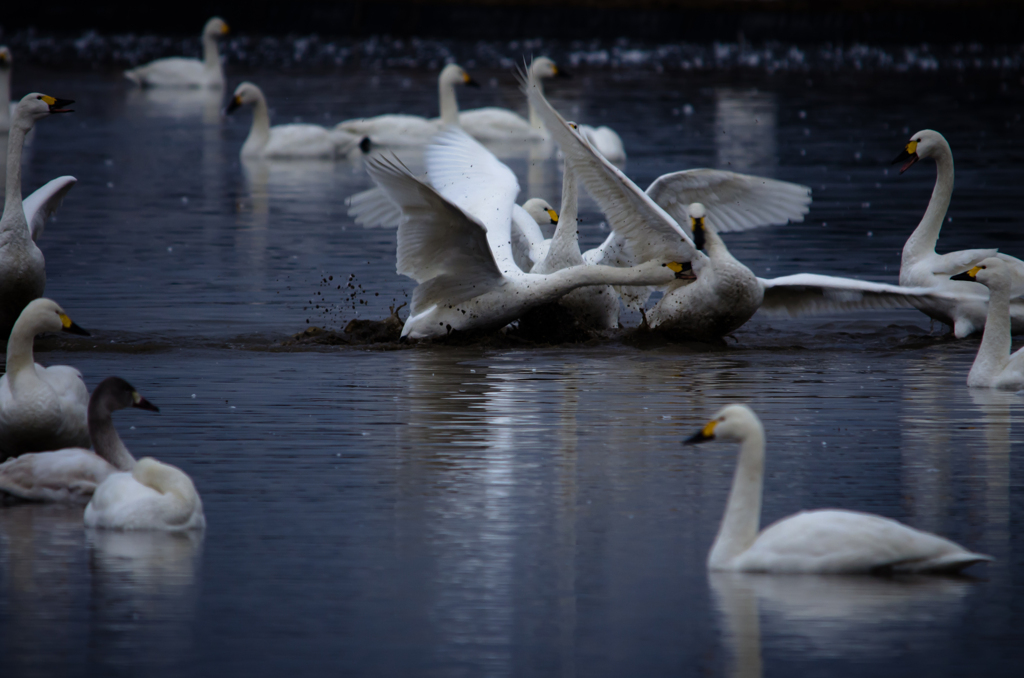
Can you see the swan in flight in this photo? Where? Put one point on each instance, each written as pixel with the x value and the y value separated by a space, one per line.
pixel 289 141
pixel 413 130
pixel 71 475
pixel 22 266
pixel 823 541
pixel 185 72
pixel 455 242
pixel 995 366
pixel 152 496
pixel 41 408
pixel 965 307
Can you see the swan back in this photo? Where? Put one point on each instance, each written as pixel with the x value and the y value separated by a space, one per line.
pixel 153 496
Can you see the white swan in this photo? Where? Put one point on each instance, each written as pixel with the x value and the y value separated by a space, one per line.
pixel 152 496
pixel 72 474
pixel 41 408
pixel 606 141
pixel 289 141
pixel 921 266
pixel 824 541
pixel 185 72
pixel 500 124
pixel 455 242
pixel 22 266
pixel 995 366
pixel 406 130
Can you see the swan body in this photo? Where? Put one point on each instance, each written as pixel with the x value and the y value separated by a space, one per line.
pixel 288 141
pixel 605 141
pixel 152 496
pixel 71 475
pixel 455 242
pixel 500 124
pixel 22 266
pixel 41 408
pixel 965 308
pixel 411 130
pixel 827 541
pixel 995 366
pixel 184 72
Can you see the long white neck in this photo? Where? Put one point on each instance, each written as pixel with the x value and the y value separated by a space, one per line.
pixel 259 133
pixel 106 441
pixel 14 211
pixel 211 56
pixel 994 352
pixel 5 98
pixel 449 104
pixel 742 519
pixel 535 121
pixel 924 238
pixel 565 243
pixel 555 285
pixel 21 370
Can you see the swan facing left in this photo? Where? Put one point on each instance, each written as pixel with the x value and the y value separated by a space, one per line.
pixel 71 475
pixel 152 496
pixel 995 366
pixel 824 541
pixel 185 72
pixel 41 408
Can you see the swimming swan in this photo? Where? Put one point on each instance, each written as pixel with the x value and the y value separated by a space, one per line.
pixel 72 474
pixel 995 366
pixel 152 496
pixel 185 72
pixel 406 130
pixel 22 266
pixel 965 308
pixel 41 408
pixel 823 541
pixel 289 141
pixel 500 124
pixel 455 242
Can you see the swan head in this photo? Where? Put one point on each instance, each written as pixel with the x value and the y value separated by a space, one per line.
pixel 5 58
pixel 215 28
pixel 697 214
pixel 543 67
pixel 36 106
pixel 925 144
pixel 45 315
pixel 993 273
pixel 543 213
pixel 733 423
pixel 114 393
pixel 454 74
pixel 246 93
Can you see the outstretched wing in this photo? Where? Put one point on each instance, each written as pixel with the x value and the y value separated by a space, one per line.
pixel 42 204
pixel 373 208
pixel 439 245
pixel 734 202
pixel 650 231
pixel 807 293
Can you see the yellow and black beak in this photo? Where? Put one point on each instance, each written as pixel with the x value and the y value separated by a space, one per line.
pixel 554 216
pixel 71 328
pixel 143 404
pixel 703 435
pixel 698 232
pixel 470 82
pixel 682 271
pixel 561 73
pixel 224 29
pixel 57 105
pixel 5 60
pixel 233 105
pixel 909 155
pixel 968 276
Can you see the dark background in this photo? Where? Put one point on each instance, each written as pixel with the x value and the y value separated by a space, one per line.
pixel 802 21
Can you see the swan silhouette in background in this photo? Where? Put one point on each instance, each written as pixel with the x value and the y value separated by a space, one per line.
pixel 72 474
pixel 500 124
pixel 995 366
pixel 41 408
pixel 289 141
pixel 185 72
pixel 823 541
pixel 965 307
pixel 22 266
pixel 152 496
pixel 414 130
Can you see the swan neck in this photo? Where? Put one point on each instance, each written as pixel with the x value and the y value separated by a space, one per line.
pixel 259 133
pixel 211 56
pixel 535 120
pixel 742 518
pixel 994 352
pixel 569 279
pixel 565 241
pixel 13 205
pixel 20 357
pixel 5 96
pixel 106 441
pixel 449 104
pixel 924 238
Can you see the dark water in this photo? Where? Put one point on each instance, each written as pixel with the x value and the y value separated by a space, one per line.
pixel 473 511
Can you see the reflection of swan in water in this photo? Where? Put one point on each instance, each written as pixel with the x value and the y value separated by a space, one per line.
pixel 178 103
pixel 828 616
pixel 146 561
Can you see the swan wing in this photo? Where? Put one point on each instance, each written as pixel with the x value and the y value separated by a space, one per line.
pixel 439 246
pixel 805 293
pixel 69 476
pixel 373 208
pixel 734 202
pixel 497 124
pixel 832 541
pixel 651 232
pixel 43 203
pixel 606 141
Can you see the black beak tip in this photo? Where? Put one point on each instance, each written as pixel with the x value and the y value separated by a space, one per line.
pixel 144 404
pixel 697 437
pixel 472 83
pixel 232 106
pixel 561 73
pixel 963 277
pixel 75 329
